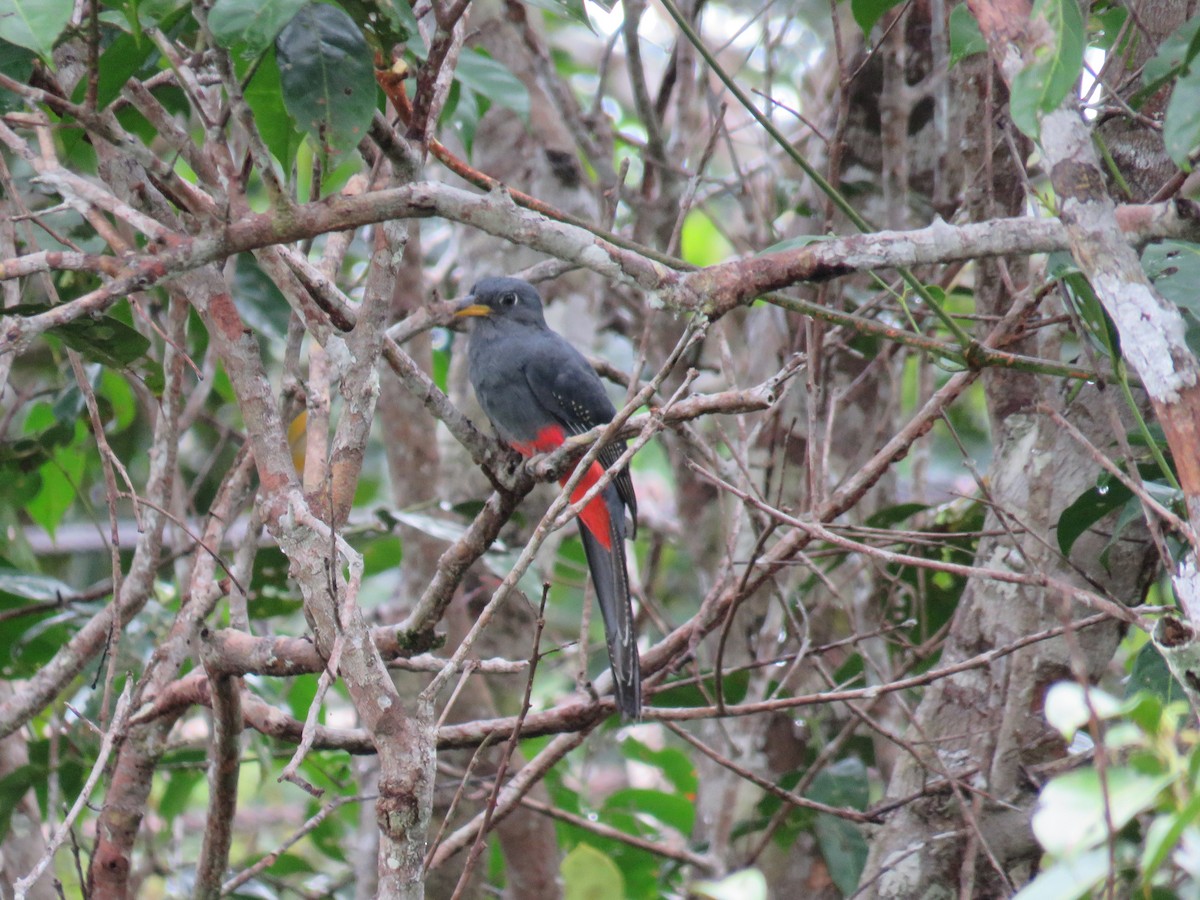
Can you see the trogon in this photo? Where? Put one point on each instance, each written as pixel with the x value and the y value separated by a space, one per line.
pixel 537 390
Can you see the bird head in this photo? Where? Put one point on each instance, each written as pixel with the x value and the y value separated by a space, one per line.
pixel 498 300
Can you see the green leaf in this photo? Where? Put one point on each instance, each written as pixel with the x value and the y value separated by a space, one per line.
pixel 868 12
pixel 119 62
pixel 1164 833
pixel 1181 127
pixel 387 23
pixel 290 864
pixel 17 63
pixel 1041 86
pixel 669 808
pixel 264 96
pixel 490 79
pixel 1089 508
pixel 676 765
pixel 32 586
pixel 1174 267
pixel 34 24
pixel 1151 674
pixel 747 884
pixel 180 784
pixel 589 874
pixel 250 25
pixel 259 300
pixel 735 685
pixel 701 242
pixel 1175 52
pixel 1068 708
pixel 327 76
pixel 1070 817
pixel 13 787
pixel 1109 24
pixel 842 784
pixel 1068 879
pixel 115 390
pixel 60 476
pixel 891 516
pixel 160 12
pixel 844 850
pixel 965 37
pixel 793 243
pixel 842 845
pixel 568 9
pixel 1099 324
pixel 103 339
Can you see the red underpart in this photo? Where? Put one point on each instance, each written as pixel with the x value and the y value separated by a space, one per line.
pixel 595 514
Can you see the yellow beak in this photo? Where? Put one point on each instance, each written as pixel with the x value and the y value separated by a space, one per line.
pixel 469 308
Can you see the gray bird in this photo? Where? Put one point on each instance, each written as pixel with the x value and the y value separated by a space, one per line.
pixel 537 390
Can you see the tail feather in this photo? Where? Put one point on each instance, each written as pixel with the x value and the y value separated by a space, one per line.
pixel 611 578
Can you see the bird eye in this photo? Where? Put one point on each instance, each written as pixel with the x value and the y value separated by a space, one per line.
pixel 508 299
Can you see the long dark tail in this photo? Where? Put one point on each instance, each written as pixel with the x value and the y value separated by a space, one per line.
pixel 611 578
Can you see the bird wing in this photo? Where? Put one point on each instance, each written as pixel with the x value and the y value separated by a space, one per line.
pixel 569 390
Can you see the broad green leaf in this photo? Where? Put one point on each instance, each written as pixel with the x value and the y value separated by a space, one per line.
pixel 387 23
pixel 735 685
pixel 34 24
pixel 441 359
pixel 1066 707
pixel 120 61
pixel 14 786
pixel 1181 127
pixel 842 784
pixel 965 37
pixel 1176 51
pixel 1110 22
pixel 1070 815
pixel 160 12
pixel 1099 324
pixel 1041 86
pixel 676 765
pixel 568 9
pixel 491 80
pixel 793 243
pixel 1068 879
pixel 1174 267
pixel 17 63
pixel 250 25
pixel 434 526
pixel 1150 674
pixel 260 301
pixel 589 874
pixel 868 12
pixel 180 784
pixel 842 845
pixel 290 864
pixel 844 850
pixel 893 515
pixel 104 340
pixel 1164 833
pixel 264 96
pixel 1089 508
pixel 701 243
pixel 60 476
pixel 747 884
pixel 669 808
pixel 327 75
pixel 115 390
pixel 33 586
